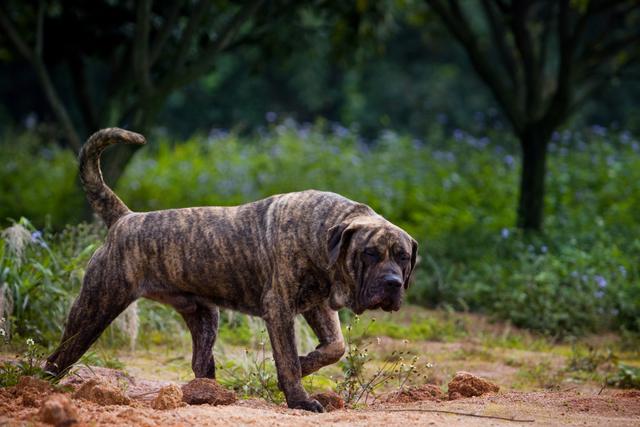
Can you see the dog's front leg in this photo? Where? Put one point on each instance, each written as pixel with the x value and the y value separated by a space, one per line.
pixel 326 324
pixel 280 325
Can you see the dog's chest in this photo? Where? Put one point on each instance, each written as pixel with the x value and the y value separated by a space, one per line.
pixel 313 290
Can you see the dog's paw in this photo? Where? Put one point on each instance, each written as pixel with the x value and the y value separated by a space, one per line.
pixel 308 405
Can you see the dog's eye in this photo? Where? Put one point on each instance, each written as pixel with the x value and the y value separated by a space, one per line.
pixel 403 256
pixel 371 253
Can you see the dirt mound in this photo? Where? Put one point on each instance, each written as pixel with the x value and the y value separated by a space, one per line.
pixel 58 410
pixel 32 390
pixel 465 384
pixel 206 390
pixel 329 400
pixel 101 393
pixel 6 400
pixel 415 394
pixel 169 397
pixel 33 383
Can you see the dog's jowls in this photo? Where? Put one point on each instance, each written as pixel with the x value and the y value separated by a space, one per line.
pixel 308 253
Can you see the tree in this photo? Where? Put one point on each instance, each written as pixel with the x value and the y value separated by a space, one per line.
pixel 541 60
pixel 124 59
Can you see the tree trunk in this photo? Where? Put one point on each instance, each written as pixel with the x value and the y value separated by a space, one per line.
pixel 534 159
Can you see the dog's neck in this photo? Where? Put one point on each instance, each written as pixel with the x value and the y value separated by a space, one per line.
pixel 341 294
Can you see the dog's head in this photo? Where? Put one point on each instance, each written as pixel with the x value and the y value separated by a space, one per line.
pixel 375 258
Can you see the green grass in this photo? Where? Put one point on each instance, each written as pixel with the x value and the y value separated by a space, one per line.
pixel 540 375
pixel 414 329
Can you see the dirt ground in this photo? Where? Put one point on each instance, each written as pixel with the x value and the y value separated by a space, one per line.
pixel 535 388
pixel 570 407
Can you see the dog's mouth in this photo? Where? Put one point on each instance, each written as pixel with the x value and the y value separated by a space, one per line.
pixel 387 303
pixel 391 304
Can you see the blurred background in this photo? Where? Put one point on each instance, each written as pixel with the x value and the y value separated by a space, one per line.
pixel 503 135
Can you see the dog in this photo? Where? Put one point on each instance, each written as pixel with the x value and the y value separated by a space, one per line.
pixel 309 253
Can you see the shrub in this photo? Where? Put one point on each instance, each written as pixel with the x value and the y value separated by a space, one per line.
pixel 40 275
pixel 625 377
pixel 362 379
pixel 38 181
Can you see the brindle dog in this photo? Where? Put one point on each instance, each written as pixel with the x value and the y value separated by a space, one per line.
pixel 308 253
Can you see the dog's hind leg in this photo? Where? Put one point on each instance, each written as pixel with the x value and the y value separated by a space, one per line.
pixel 203 325
pixel 326 324
pixel 201 318
pixel 104 295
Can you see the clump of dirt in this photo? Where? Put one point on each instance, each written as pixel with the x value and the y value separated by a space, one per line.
pixel 415 394
pixel 33 383
pixel 101 393
pixel 465 384
pixel 169 397
pixel 58 410
pixel 6 401
pixel 632 394
pixel 32 390
pixel 329 400
pixel 206 390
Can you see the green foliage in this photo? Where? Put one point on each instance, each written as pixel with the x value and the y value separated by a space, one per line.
pixel 236 331
pixel 579 276
pixel 625 377
pixel 40 274
pixel 455 194
pixel 429 328
pixel 542 375
pixel 38 181
pixel 254 375
pixel 29 363
pixel 100 358
pixel 425 187
pixel 589 359
pixel 603 365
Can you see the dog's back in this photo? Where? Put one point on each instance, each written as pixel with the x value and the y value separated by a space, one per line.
pixel 226 253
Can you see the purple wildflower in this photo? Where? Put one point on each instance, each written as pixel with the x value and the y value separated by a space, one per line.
pixel 601 281
pixel 271 116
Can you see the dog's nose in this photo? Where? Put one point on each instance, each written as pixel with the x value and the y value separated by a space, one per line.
pixel 392 280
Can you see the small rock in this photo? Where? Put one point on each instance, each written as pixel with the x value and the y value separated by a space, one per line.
pixel 329 400
pixel 465 384
pixel 206 390
pixel 30 398
pixel 453 395
pixel 58 410
pixel 101 393
pixel 169 397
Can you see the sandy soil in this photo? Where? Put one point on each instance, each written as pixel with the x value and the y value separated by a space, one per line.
pixel 572 407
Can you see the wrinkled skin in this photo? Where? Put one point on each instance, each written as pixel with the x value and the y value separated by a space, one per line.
pixel 308 253
pixel 376 259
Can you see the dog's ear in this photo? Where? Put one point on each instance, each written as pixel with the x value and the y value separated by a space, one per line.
pixel 414 256
pixel 338 240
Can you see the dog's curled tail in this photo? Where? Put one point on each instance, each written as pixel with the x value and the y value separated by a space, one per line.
pixel 102 199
